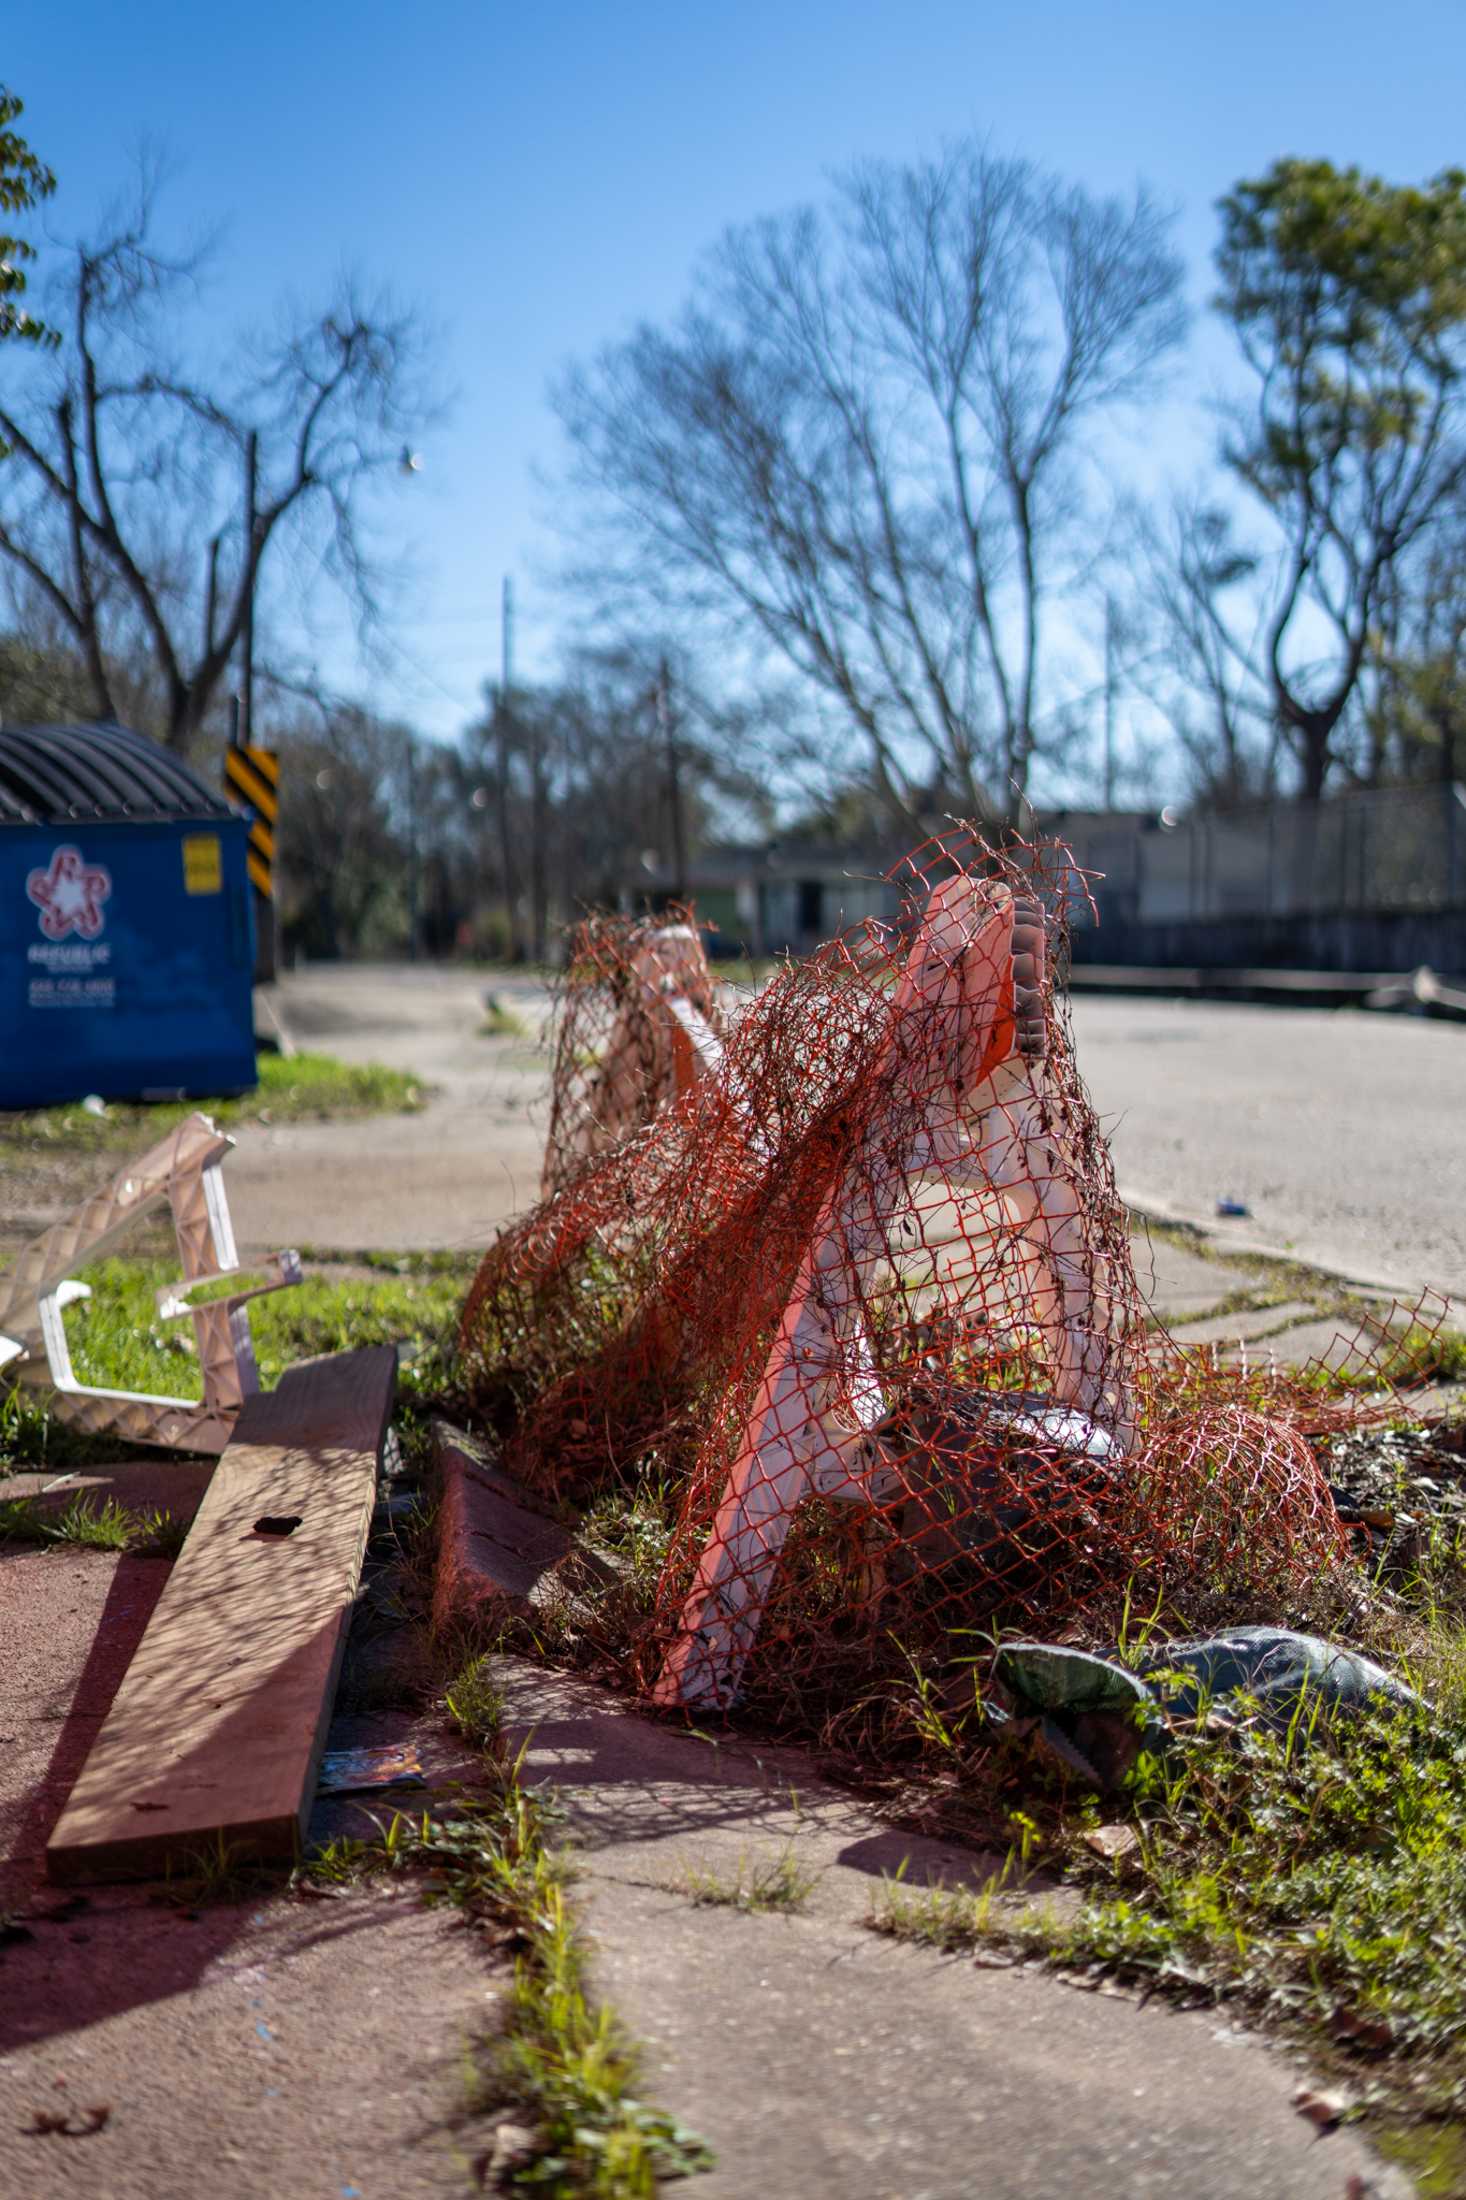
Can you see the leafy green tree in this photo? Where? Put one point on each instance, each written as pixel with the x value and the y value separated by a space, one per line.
pixel 1348 295
pixel 24 182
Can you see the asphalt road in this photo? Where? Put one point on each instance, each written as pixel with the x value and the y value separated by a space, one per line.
pixel 1342 1131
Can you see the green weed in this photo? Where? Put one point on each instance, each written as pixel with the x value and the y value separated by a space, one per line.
pixel 556 2056
pixel 474 1702
pixel 1318 1877
pixel 441 1262
pixel 949 1918
pixel 29 1435
pixel 86 1525
pixel 92 1527
pixel 290 1089
pixel 776 1884
pixel 570 2066
pixel 1247 1299
pixel 337 1863
pixel 1436 1669
pixel 1422 1355
pixel 1434 2155
pixel 222 1871
pixel 159 1534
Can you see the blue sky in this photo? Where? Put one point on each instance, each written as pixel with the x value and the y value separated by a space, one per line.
pixel 537 178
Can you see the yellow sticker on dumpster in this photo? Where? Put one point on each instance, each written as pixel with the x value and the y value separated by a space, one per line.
pixel 203 869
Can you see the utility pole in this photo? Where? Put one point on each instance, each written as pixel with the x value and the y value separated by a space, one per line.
pixel 501 756
pixel 668 730
pixel 538 835
pixel 211 600
pixel 1109 702
pixel 413 883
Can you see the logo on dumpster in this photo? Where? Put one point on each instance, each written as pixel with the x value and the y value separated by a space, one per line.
pixel 70 895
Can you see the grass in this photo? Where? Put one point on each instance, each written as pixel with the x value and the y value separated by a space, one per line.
pixel 460 1266
pixel 117 1342
pixel 557 2058
pixel 1435 2159
pixel 222 1872
pixel 1314 1879
pixel 1400 1359
pixel 1318 1881
pixel 475 1704
pixel 1325 1888
pixel 291 1089
pixel 501 1022
pixel 1243 1301
pixel 951 1919
pixel 567 2063
pixel 1423 1355
pixel 83 1524
pixel 117 1338
pixel 777 1884
pixel 1437 1669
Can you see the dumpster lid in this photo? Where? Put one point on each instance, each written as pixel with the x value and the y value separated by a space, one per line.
pixel 57 775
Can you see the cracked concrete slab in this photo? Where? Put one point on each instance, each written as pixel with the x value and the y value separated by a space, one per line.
pixel 820 2060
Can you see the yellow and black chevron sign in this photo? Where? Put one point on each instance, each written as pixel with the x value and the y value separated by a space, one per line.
pixel 252 776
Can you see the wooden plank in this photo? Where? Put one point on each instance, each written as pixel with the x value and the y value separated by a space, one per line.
pixel 218 1726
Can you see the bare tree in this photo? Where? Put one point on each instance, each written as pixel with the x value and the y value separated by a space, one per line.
pixel 625 760
pixel 343 857
pixel 1202 629
pixel 141 496
pixel 867 442
pixel 1413 715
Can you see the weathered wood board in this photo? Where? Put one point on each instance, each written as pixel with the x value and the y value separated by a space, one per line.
pixel 217 1729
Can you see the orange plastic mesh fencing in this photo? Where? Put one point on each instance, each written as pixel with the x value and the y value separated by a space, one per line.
pixel 859 1302
pixel 637 1022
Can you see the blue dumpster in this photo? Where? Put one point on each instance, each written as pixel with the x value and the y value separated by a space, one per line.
pixel 126 932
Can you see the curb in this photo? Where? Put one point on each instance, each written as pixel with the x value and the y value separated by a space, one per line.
pixel 497 1558
pixel 1144 1208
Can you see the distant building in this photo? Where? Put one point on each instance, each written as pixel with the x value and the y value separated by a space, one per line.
pixel 785 896
pixel 775 897
pixel 1371 879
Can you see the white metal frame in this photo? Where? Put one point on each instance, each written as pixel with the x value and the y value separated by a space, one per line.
pixel 660 1042
pixel 185 1169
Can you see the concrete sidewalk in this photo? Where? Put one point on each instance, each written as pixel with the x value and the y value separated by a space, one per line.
pixel 446 1178
pixel 276 2047
pixel 246 2048
pixel 824 2063
pixel 250 2049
